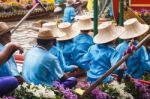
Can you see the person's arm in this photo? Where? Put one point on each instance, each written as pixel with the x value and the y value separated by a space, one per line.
pixel 7 52
pixel 145 61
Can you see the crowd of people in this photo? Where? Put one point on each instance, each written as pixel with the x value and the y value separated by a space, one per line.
pixel 68 46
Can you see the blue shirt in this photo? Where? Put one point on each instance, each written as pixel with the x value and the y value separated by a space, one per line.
pixel 9 68
pixel 67 48
pixel 41 67
pixel 59 54
pixel 59 1
pixel 99 59
pixel 138 62
pixel 69 14
pixel 83 42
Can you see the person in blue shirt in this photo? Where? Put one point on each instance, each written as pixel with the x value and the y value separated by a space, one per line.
pixel 42 67
pixel 69 12
pixel 139 62
pixel 54 49
pixel 59 1
pixel 9 68
pixel 66 43
pixel 102 56
pixel 10 79
pixel 83 41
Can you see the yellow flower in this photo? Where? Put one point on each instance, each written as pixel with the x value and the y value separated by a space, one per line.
pixel 79 91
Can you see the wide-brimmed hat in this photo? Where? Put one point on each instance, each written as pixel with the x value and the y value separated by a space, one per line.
pixel 107 32
pixel 133 28
pixel 84 22
pixel 54 28
pixel 70 31
pixel 4 28
pixel 45 34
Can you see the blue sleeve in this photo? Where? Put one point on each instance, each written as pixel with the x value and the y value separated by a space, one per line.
pixel 54 67
pixel 63 63
pixel 13 67
pixel 115 57
pixel 145 61
pixel 85 60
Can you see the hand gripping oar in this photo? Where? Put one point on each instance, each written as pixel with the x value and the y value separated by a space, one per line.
pixel 29 12
pixel 99 81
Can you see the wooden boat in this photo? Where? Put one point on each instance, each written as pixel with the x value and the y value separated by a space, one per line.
pixel 16 15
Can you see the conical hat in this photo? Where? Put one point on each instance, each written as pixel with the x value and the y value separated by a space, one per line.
pixel 84 22
pixel 70 31
pixel 107 32
pixel 53 27
pixel 133 28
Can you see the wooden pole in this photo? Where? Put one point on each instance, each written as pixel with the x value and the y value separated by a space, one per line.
pixel 99 81
pixel 121 15
pixel 25 17
pixel 95 17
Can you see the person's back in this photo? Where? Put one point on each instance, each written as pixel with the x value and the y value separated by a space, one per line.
pixel 59 54
pixel 99 58
pixel 138 63
pixel 82 42
pixel 67 48
pixel 40 67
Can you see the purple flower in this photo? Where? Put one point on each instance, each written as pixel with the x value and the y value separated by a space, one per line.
pixel 68 94
pixel 142 88
pixel 10 97
pixel 99 94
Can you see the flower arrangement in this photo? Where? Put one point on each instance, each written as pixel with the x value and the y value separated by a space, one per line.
pixel 14 10
pixel 27 91
pixel 129 89
pixel 144 14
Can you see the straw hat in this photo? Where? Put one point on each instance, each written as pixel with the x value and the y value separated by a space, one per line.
pixel 70 31
pixel 84 22
pixel 53 27
pixel 4 28
pixel 133 28
pixel 69 2
pixel 107 33
pixel 45 35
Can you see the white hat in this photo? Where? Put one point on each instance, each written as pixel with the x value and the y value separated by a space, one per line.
pixel 70 31
pixel 84 23
pixel 53 27
pixel 4 28
pixel 107 33
pixel 133 28
pixel 57 9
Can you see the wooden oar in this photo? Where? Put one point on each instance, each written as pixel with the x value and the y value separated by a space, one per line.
pixel 27 15
pixel 99 81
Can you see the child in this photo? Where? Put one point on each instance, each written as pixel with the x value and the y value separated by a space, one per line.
pixel 69 12
pixel 139 62
pixel 66 43
pixel 101 56
pixel 55 50
pixel 83 41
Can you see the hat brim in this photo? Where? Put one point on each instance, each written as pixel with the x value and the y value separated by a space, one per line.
pixel 90 27
pixel 128 34
pixel 9 29
pixel 68 37
pixel 46 38
pixel 101 38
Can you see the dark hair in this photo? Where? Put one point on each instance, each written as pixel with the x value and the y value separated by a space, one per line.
pixel 85 31
pixel 45 42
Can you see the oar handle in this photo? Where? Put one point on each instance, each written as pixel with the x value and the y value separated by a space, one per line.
pixel 25 17
pixel 99 81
